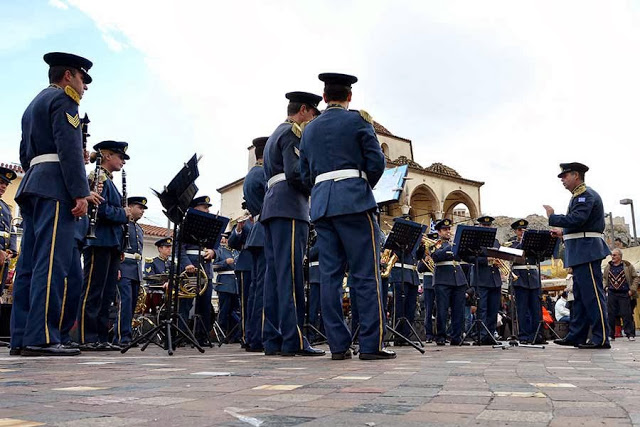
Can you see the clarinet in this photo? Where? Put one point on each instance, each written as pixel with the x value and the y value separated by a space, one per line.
pixel 93 209
pixel 125 235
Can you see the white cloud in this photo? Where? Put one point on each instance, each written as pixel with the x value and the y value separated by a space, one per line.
pixel 59 4
pixel 502 91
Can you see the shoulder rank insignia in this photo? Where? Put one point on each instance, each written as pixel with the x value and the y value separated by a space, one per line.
pixel 148 269
pixel 71 92
pixel 73 120
pixel 146 259
pixel 296 129
pixel 579 190
pixel 366 116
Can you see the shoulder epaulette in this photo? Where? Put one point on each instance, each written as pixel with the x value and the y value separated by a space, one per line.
pixel 148 260
pixel 579 190
pixel 71 92
pixel 296 129
pixel 366 116
pixel 304 124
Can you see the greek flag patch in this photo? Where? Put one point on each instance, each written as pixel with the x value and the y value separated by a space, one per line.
pixel 581 199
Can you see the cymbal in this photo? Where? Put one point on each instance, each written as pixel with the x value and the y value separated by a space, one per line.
pixel 161 277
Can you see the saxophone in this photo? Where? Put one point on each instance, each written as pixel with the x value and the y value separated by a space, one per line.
pixel 388 258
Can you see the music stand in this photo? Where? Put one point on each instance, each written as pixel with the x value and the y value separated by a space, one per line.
pixel 405 236
pixel 175 198
pixel 541 245
pixel 471 241
pixel 205 230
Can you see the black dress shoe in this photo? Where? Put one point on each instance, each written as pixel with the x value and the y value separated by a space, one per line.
pixel 541 341
pixel 342 356
pixel 563 341
pixel 311 352
pixel 594 346
pixel 271 353
pixel 378 355
pixel 15 351
pixel 49 350
pixel 254 350
pixel 441 342
pixel 89 346
pixel 71 344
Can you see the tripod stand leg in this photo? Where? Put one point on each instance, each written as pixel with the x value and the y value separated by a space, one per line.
pixel 407 340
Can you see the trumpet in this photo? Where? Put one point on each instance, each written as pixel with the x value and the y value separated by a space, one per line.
pixel 505 268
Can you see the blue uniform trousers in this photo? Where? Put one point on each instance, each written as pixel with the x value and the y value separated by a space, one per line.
pixel 228 311
pixel 243 278
pixel 45 260
pixel 384 293
pixel 529 312
pixel 405 297
pixel 101 265
pixel 353 301
pixel 449 297
pixel 589 307
pixel 126 299
pixel 71 295
pixel 256 299
pixel 204 310
pixel 351 239
pixel 429 305
pixel 284 247
pixel 488 306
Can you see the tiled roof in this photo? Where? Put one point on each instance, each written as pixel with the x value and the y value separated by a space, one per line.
pixel 441 169
pixel 154 230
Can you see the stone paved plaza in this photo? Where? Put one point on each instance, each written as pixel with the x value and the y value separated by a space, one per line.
pixel 226 386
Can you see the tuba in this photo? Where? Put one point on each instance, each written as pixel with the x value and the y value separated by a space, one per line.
pixel 192 285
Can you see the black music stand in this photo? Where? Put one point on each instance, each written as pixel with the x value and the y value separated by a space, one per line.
pixel 469 242
pixel 405 236
pixel 205 230
pixel 175 198
pixel 307 291
pixel 541 245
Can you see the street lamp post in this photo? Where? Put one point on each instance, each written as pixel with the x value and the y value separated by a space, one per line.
pixel 633 219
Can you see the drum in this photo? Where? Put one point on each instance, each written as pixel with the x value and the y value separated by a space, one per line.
pixel 154 299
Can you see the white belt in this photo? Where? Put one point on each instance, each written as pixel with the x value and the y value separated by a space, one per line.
pixel 341 174
pixel 44 158
pixel 195 252
pixel 225 272
pixel 314 263
pixel 276 179
pixel 525 267
pixel 442 263
pixel 136 257
pixel 582 235
pixel 463 263
pixel 407 266
pixel 428 273
pixel 5 234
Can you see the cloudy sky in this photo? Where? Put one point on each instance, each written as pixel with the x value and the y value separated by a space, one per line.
pixel 502 91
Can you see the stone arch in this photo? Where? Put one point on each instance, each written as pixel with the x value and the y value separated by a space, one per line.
pixel 385 149
pixel 424 204
pixel 459 197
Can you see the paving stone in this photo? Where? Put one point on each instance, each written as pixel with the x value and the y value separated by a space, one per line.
pixel 515 416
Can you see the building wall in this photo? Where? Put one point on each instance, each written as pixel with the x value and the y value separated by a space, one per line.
pixel 397 147
pixel 231 201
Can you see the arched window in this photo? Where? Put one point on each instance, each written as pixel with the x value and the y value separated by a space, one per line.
pixel 385 149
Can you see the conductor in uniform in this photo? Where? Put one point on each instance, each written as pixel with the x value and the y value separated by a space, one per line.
pixel 51 195
pixel 585 249
pixel 341 161
pixel 285 216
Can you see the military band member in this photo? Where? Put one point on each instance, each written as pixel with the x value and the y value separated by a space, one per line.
pixel 585 249
pixel 489 286
pixel 527 289
pixel 244 263
pixel 254 188
pixel 226 287
pixel 162 263
pixel 341 161
pixel 450 284
pixel 130 274
pixel 285 216
pixel 404 281
pixel 102 254
pixel 8 239
pixel 428 290
pixel 195 258
pixel 315 318
pixel 52 193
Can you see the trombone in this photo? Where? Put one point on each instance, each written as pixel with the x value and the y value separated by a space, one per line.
pixel 505 268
